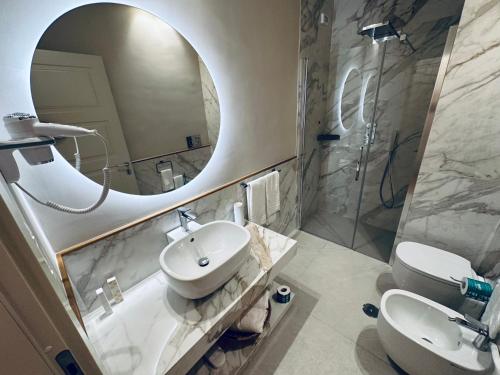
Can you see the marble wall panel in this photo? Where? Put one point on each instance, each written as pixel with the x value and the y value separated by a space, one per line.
pixel 132 255
pixel 456 203
pixel 401 112
pixel 406 87
pixel 315 41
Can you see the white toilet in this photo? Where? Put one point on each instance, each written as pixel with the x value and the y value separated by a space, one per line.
pixel 430 272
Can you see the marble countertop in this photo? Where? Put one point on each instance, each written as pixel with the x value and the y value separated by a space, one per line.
pixel 155 331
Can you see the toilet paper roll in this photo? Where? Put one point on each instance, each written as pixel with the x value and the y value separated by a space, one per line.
pixel 239 217
pixel 283 294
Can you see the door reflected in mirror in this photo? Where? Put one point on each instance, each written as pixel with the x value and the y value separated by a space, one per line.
pixel 135 79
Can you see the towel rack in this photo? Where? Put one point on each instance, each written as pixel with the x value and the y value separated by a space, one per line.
pixel 244 185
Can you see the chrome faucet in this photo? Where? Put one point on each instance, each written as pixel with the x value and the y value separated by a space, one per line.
pixel 185 216
pixel 483 338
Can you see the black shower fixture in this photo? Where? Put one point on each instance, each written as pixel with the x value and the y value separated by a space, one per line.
pixel 381 32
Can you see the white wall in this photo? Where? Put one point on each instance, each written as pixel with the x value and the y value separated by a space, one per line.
pixel 251 49
pixel 153 72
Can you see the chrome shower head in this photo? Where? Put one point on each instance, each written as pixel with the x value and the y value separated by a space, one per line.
pixel 380 32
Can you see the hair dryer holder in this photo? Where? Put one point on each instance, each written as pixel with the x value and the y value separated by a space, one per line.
pixel 34 150
pixel 33 139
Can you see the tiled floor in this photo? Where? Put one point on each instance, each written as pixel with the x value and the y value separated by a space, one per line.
pixel 370 240
pixel 325 331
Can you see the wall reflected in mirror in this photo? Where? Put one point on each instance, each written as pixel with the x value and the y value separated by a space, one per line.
pixel 135 79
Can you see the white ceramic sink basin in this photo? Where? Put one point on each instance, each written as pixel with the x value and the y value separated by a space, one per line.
pixel 416 333
pixel 208 257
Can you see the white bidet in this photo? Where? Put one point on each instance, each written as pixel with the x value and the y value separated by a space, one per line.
pixel 416 334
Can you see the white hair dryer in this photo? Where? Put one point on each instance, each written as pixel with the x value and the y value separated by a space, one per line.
pixel 24 125
pixel 33 139
pixel 25 131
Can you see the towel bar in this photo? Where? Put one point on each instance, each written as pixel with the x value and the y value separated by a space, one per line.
pixel 244 185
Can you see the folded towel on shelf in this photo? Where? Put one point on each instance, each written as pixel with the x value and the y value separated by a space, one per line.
pixel 256 200
pixel 272 196
pixel 255 318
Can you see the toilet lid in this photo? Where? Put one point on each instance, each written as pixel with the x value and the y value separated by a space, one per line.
pixel 434 262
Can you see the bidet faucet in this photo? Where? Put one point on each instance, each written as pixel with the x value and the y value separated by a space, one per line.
pixel 185 216
pixel 483 338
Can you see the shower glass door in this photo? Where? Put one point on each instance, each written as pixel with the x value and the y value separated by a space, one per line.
pixel 370 84
pixel 332 213
pixel 408 82
pixel 379 204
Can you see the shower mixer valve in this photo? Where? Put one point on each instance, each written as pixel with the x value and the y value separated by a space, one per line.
pixel 368 138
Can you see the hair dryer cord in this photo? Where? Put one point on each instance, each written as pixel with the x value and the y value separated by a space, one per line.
pixel 78 159
pixel 104 193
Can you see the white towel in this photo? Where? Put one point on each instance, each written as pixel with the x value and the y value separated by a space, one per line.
pixel 178 181
pixel 167 180
pixel 255 318
pixel 256 200
pixel 272 196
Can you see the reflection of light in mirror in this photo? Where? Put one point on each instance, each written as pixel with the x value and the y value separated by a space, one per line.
pixel 145 26
pixel 341 94
pixel 364 88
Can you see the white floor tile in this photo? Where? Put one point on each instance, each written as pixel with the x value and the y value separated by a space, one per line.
pixel 336 337
pixel 319 349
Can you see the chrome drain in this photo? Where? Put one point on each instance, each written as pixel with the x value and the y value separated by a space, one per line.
pixel 202 262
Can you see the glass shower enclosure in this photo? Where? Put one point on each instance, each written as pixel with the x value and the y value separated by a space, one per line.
pixel 344 162
pixel 356 167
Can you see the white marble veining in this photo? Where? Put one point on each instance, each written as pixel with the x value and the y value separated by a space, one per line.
pixel 132 255
pixel 407 83
pixel 219 206
pixel 155 331
pixel 456 203
pixel 237 358
pixel 315 46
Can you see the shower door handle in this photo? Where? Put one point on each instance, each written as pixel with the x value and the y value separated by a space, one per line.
pixel 358 163
pixel 374 130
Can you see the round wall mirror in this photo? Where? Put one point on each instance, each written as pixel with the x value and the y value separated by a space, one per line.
pixel 351 98
pixel 139 83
